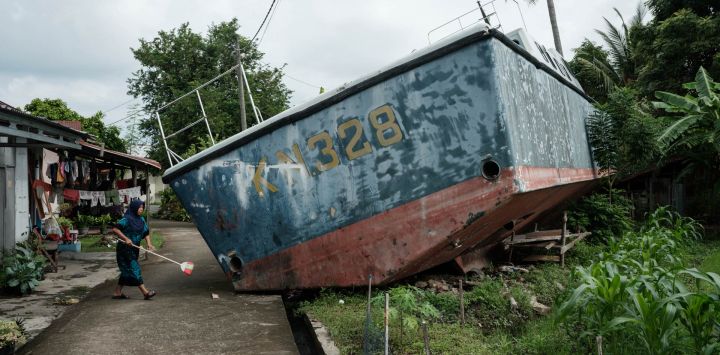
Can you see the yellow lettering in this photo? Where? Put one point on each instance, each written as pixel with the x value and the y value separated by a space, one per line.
pixel 259 180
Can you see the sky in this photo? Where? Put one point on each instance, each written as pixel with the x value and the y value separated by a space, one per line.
pixel 79 50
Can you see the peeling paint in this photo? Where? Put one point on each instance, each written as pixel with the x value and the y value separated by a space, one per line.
pixel 400 153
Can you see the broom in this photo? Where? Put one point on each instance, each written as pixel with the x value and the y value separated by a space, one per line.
pixel 186 266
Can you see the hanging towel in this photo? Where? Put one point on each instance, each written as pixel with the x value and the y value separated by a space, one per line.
pixel 98 197
pixel 112 197
pixel 129 194
pixel 56 196
pixel 71 195
pixel 85 195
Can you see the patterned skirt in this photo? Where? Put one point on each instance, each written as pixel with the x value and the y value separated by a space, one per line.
pixel 127 260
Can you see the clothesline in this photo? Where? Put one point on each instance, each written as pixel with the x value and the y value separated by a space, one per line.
pixel 104 197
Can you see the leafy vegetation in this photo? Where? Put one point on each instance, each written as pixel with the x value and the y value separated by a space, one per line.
pixel 22 269
pixel 11 333
pixel 606 215
pixel 634 292
pixel 623 135
pixel 696 117
pixel 647 289
pixel 171 208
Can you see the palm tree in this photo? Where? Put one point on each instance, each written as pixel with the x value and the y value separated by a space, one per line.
pixel 553 23
pixel 619 67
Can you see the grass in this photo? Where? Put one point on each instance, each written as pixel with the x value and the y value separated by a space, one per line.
pixel 90 243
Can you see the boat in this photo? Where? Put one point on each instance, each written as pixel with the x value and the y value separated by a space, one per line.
pixel 412 166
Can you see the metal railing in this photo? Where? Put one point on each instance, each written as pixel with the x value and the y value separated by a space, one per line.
pixel 484 17
pixel 175 158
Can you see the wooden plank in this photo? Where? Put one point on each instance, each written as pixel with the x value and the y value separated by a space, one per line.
pixel 532 240
pixel 567 247
pixel 555 258
pixel 575 237
pixel 541 233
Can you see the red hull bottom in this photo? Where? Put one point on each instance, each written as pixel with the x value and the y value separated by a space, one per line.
pixel 418 235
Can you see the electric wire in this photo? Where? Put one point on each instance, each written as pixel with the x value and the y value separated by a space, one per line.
pixel 263 22
pixel 268 23
pixel 301 81
pixel 120 105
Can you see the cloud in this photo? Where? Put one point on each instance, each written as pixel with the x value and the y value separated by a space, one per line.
pixel 79 50
pixel 86 95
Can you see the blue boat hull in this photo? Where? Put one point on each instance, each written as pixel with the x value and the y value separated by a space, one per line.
pixel 476 114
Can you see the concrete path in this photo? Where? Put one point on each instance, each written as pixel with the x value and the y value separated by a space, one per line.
pixel 182 319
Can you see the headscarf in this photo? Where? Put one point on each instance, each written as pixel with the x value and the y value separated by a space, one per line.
pixel 135 223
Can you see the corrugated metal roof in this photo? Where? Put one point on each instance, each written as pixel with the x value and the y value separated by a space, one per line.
pixel 76 125
pixel 41 120
pixel 121 155
pixel 96 148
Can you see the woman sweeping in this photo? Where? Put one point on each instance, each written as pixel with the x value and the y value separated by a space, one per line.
pixel 131 229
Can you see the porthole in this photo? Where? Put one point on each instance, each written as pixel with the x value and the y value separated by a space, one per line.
pixel 236 264
pixel 490 169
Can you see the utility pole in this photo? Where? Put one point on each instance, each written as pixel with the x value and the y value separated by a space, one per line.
pixel 241 90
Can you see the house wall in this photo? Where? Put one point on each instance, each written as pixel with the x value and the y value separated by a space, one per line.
pixel 15 185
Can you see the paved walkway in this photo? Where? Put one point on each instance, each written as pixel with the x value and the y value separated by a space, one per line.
pixel 182 319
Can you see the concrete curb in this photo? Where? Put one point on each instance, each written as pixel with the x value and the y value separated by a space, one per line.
pixel 322 335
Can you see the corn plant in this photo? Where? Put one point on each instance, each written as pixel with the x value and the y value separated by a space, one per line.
pixel 656 319
pixel 634 289
pixel 599 299
pixel 699 315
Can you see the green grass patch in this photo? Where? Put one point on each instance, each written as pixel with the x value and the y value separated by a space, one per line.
pixel 157 239
pixel 91 243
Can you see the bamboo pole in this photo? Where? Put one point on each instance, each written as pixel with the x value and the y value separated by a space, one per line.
pixel 387 323
pixel 462 304
pixel 426 339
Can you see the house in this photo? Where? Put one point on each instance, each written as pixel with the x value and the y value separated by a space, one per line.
pixel 31 150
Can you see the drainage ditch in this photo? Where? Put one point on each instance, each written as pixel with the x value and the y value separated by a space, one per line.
pixel 302 330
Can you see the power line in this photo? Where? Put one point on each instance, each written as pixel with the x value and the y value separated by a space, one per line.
pixel 301 81
pixel 121 105
pixel 263 22
pixel 130 115
pixel 268 24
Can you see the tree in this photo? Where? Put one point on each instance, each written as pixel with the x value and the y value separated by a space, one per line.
pixel 586 64
pixel 623 135
pixel 177 61
pixel 553 23
pixel 664 9
pixel 596 66
pixel 57 109
pixel 696 117
pixel 683 36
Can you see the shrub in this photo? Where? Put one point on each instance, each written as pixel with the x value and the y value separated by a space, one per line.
pixel 171 208
pixel 605 215
pixel 11 333
pixel 84 221
pixel 447 303
pixel 22 269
